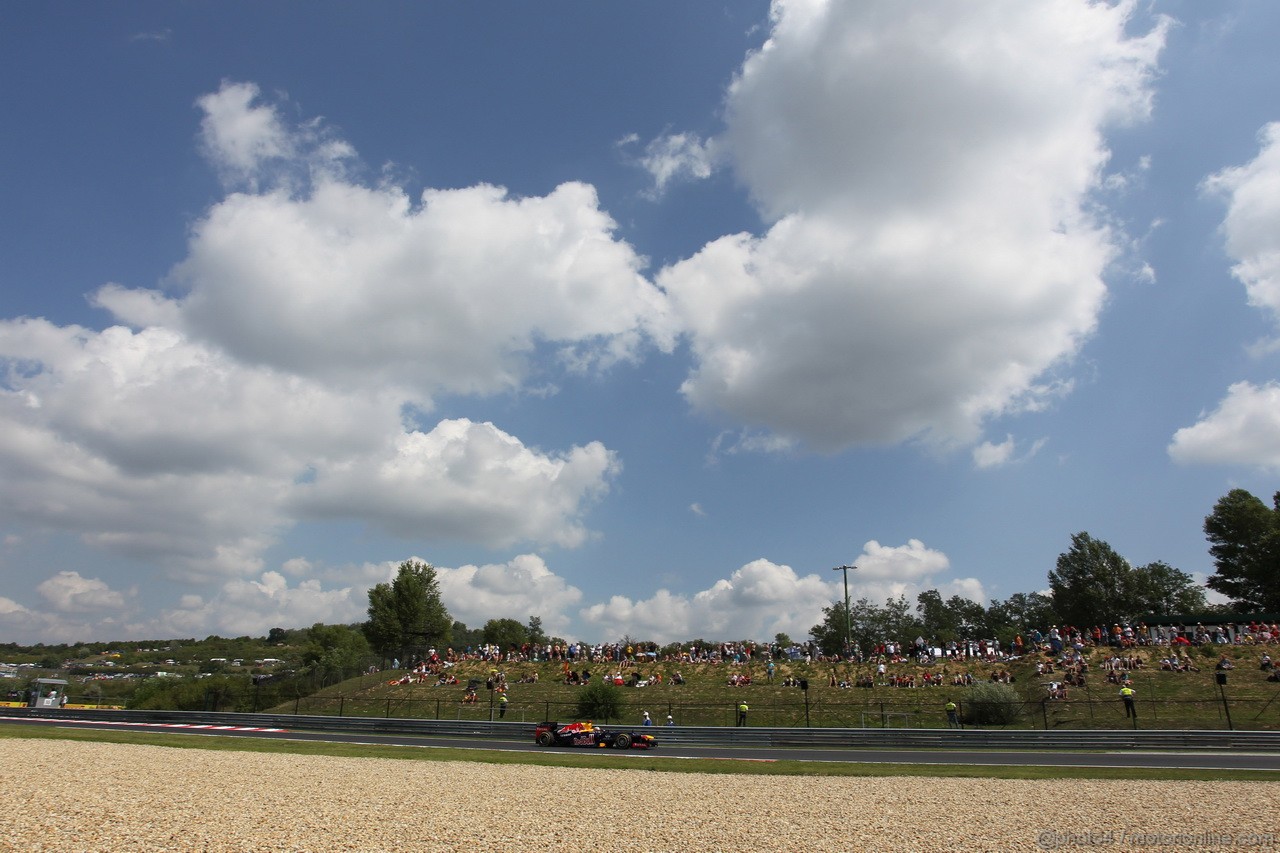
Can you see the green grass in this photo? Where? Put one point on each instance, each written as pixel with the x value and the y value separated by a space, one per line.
pixel 637 763
pixel 1165 700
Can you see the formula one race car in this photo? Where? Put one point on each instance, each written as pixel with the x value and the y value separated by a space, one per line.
pixel 587 734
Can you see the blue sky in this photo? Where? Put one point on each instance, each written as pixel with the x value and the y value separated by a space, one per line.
pixel 635 317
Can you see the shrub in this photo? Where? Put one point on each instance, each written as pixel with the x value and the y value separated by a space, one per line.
pixel 989 703
pixel 599 701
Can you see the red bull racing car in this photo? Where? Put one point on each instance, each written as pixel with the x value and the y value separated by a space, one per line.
pixel 588 734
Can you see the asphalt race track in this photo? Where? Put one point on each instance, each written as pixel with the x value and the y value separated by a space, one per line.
pixel 1200 760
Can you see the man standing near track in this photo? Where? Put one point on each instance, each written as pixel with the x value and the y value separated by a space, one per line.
pixel 1126 694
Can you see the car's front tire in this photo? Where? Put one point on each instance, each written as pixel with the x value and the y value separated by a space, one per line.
pixel 622 740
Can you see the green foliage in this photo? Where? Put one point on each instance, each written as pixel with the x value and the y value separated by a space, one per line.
pixel 1089 583
pixel 599 701
pixel 990 703
pixel 463 637
pixel 1092 584
pixel 215 693
pixel 407 615
pixel 1019 612
pixel 868 624
pixel 505 633
pixel 956 618
pixel 534 630
pixel 333 652
pixel 1160 589
pixel 1245 544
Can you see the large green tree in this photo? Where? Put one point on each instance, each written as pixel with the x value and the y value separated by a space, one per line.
pixel 334 651
pixel 1158 588
pixel 407 616
pixel 505 633
pixel 1244 536
pixel 1021 612
pixel 1090 583
pixel 1093 585
pixel 868 624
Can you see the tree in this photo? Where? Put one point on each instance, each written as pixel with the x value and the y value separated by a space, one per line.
pixel 407 614
pixel 957 618
pixel 1093 585
pixel 1160 589
pixel 505 633
pixel 537 636
pixel 1090 584
pixel 1021 612
pixel 829 634
pixel 868 624
pixel 1245 545
pixel 333 651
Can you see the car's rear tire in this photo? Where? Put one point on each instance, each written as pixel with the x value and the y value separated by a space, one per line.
pixel 547 738
pixel 622 740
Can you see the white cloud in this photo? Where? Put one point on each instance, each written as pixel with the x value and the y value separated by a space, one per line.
pixel 989 455
pixel 911 561
pixel 464 481
pixel 238 135
pixel 763 598
pixel 1243 430
pixel 518 589
pixel 148 445
pixel 757 601
pixel 1252 224
pixel 68 592
pixel 320 276
pixel 253 607
pixel 932 256
pixel 678 156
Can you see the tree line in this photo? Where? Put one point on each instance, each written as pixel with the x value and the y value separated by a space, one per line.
pixel 1091 584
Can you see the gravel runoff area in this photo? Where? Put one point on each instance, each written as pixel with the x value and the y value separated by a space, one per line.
pixel 86 796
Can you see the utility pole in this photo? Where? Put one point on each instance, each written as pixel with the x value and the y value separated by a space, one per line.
pixel 848 620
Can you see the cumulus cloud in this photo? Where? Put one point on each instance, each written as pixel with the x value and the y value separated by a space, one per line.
pixel 932 258
pixel 1243 430
pixel 270 384
pixel 757 601
pixel 456 292
pixel 464 481
pixel 518 589
pixel 68 592
pixel 763 598
pixel 1252 223
pixel 678 156
pixel 990 455
pixel 154 447
pixel 1245 427
pixel 254 606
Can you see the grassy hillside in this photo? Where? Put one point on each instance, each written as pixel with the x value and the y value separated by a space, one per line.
pixel 1171 700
